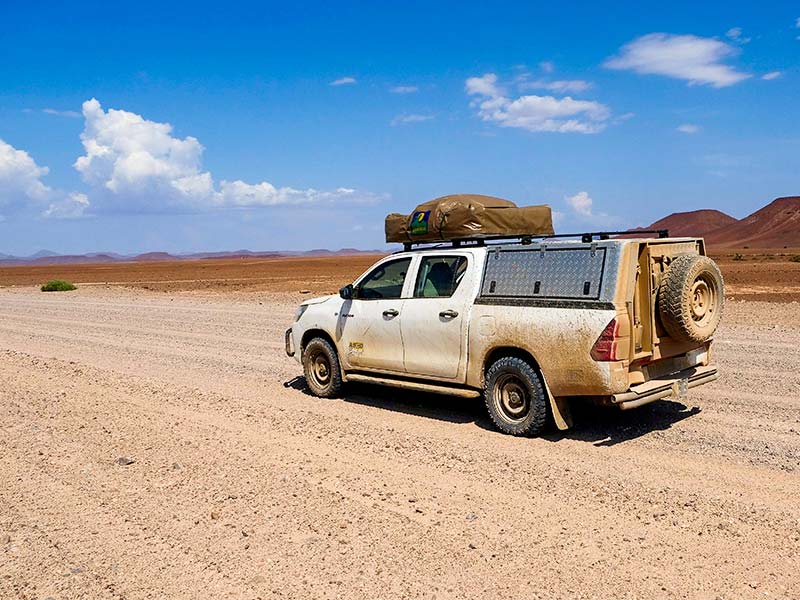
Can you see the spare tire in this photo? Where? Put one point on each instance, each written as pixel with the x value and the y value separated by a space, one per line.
pixel 691 297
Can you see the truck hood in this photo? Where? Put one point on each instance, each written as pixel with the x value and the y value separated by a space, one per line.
pixel 319 300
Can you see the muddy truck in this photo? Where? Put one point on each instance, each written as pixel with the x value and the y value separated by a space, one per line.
pixel 529 324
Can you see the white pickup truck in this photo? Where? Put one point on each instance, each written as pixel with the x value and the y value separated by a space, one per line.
pixel 528 325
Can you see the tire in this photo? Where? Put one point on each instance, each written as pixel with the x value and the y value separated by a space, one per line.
pixel 691 297
pixel 321 368
pixel 515 397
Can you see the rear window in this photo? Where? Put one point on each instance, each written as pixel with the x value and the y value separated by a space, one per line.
pixel 554 273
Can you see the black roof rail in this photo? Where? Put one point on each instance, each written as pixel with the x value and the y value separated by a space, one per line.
pixel 586 237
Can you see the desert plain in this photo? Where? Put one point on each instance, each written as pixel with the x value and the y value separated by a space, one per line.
pixel 156 442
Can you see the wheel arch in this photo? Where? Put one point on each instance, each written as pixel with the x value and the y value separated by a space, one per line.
pixel 502 351
pixel 310 334
pixel 559 407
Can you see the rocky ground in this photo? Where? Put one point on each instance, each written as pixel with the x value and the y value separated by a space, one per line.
pixel 150 448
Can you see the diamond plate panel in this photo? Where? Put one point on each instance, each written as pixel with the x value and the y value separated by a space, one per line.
pixel 565 273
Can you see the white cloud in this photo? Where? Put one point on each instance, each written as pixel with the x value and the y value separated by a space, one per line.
pixel 771 75
pixel 695 59
pixel 735 34
pixel 404 89
pixel 138 165
pixel 535 113
pixel 563 86
pixel 581 203
pixel 20 179
pixel 22 189
pixel 72 114
pixel 241 194
pixel 688 128
pixel 547 66
pixel 582 207
pixel 72 206
pixel 485 85
pixel 343 81
pixel 412 118
pixel 130 157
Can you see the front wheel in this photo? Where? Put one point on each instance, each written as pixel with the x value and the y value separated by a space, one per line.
pixel 321 368
pixel 515 397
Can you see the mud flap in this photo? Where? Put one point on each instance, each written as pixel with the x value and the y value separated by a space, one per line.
pixel 560 409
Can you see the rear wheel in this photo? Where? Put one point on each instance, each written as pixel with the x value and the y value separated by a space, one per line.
pixel 321 368
pixel 515 397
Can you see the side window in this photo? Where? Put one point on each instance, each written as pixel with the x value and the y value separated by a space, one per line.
pixel 385 282
pixel 439 276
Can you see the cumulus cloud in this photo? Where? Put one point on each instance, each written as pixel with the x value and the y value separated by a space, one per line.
pixel 412 118
pixel 23 191
pixel 535 113
pixel 343 81
pixel 694 59
pixel 771 75
pixel 582 207
pixel 688 128
pixel 485 85
pixel 20 178
pixel 137 165
pixel 130 158
pixel 72 206
pixel 404 89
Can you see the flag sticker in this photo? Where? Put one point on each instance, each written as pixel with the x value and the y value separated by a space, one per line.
pixel 419 222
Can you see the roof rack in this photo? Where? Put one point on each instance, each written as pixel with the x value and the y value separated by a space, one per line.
pixel 528 239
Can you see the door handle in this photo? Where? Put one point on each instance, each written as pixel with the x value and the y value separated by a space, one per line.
pixel 390 313
pixel 449 314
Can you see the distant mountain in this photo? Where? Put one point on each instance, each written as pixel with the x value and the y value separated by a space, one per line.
pixel 696 223
pixel 43 254
pixel 45 257
pixel 774 226
pixel 153 256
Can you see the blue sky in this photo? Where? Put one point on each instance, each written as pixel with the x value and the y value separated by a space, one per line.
pixel 209 126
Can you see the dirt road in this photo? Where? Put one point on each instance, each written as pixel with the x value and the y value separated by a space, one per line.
pixel 242 488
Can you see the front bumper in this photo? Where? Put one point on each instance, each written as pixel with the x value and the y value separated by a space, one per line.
pixel 289 342
pixel 655 389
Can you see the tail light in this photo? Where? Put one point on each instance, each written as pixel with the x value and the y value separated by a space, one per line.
pixel 605 348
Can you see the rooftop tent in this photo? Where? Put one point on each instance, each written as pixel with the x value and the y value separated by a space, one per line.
pixel 468 216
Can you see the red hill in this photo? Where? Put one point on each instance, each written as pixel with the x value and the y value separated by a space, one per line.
pixel 696 223
pixel 774 226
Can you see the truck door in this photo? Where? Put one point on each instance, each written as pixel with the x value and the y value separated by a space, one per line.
pixel 369 324
pixel 434 321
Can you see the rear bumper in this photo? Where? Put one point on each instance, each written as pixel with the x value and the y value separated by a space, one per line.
pixel 655 389
pixel 289 342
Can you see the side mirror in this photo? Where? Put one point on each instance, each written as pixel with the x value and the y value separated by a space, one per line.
pixel 346 293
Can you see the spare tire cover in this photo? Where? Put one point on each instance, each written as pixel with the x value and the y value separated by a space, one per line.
pixel 691 297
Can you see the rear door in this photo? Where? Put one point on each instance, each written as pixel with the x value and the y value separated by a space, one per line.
pixel 369 324
pixel 434 319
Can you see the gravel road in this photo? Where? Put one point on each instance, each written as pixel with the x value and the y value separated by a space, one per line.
pixel 149 449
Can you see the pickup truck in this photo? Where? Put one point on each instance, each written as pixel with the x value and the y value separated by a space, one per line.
pixel 527 325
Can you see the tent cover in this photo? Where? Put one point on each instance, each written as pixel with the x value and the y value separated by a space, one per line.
pixel 468 216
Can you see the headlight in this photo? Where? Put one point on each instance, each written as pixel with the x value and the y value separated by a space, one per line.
pixel 299 312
